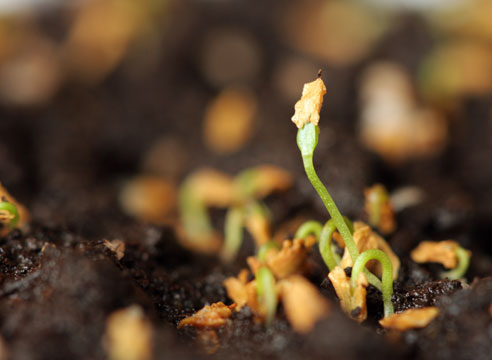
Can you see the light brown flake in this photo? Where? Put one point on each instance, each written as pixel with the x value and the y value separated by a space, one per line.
pixel 443 252
pixel 366 239
pixel 237 289
pixel 352 301
pixel 117 246
pixel 24 216
pixel 258 226
pixel 128 335
pixel 303 303
pixel 213 187
pixel 213 316
pixel 268 179
pixel 308 107
pixel 410 319
pixel 287 261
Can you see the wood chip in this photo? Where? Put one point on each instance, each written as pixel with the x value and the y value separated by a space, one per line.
pixel 443 252
pixel 352 301
pixel 117 246
pixel 308 107
pixel 128 335
pixel 410 319
pixel 366 239
pixel 213 316
pixel 303 303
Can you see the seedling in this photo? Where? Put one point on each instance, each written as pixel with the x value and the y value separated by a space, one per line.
pixel 9 215
pixel 267 296
pixel 459 271
pixel 306 118
pixel 379 209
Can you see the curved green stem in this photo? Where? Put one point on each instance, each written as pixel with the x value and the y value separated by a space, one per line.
pixel 387 278
pixel 263 250
pixel 233 233
pixel 12 209
pixel 267 295
pixel 311 227
pixel 330 258
pixel 307 140
pixel 193 212
pixel 460 269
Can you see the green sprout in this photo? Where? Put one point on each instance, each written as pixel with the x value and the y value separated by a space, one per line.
pixel 267 296
pixel 307 140
pixel 387 276
pixel 9 215
pixel 377 197
pixel 459 271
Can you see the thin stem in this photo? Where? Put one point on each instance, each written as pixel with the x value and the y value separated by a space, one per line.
pixel 330 258
pixel 267 296
pixel 11 209
pixel 311 227
pixel 387 278
pixel 460 269
pixel 233 233
pixel 193 213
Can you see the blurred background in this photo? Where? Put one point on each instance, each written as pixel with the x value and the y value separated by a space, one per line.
pixel 98 95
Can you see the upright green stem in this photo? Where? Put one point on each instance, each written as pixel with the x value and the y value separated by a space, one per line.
pixel 387 289
pixel 233 233
pixel 330 258
pixel 460 269
pixel 307 140
pixel 267 296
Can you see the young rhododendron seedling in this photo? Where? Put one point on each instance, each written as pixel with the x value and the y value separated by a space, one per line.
pixel 448 253
pixel 9 216
pixel 379 209
pixel 12 213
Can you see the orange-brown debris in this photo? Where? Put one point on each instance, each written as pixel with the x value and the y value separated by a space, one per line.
pixel 24 215
pixel 385 219
pixel 308 107
pixel 366 239
pixel 128 335
pixel 443 252
pixel 237 289
pixel 214 316
pixel 117 246
pixel 269 179
pixel 410 319
pixel 352 301
pixel 213 187
pixel 259 227
pixel 289 260
pixel 303 303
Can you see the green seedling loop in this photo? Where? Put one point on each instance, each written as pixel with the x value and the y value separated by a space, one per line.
pixel 387 278
pixel 12 209
pixel 330 257
pixel 267 295
pixel 233 233
pixel 311 227
pixel 196 221
pixel 463 262
pixel 307 140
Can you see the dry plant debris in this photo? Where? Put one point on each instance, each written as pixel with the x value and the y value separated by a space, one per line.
pixel 366 239
pixel 289 260
pixel 24 216
pixel 308 107
pixel 239 289
pixel 149 198
pixel 213 187
pixel 117 246
pixel 410 319
pixel 392 123
pixel 210 316
pixel 353 303
pixel 303 303
pixel 128 335
pixel 229 120
pixel 443 252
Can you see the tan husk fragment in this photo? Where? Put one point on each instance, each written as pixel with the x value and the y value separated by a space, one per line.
pixel 287 261
pixel 258 226
pixel 237 288
pixel 128 335
pixel 303 303
pixel 213 187
pixel 213 316
pixel 410 319
pixel 366 239
pixel 352 301
pixel 308 107
pixel 269 179
pixel 24 215
pixel 443 252
pixel 117 246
